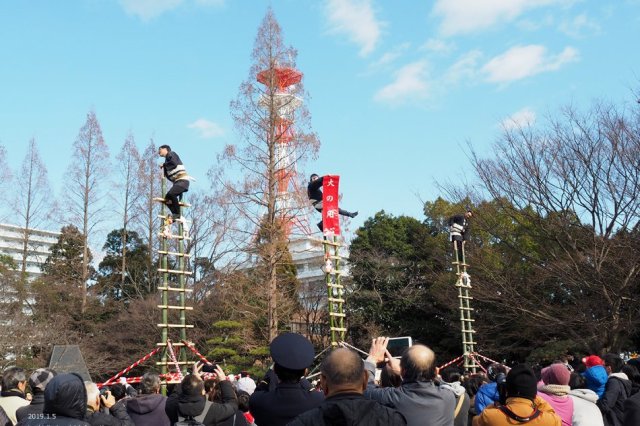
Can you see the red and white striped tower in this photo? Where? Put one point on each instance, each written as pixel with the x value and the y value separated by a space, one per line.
pixel 280 83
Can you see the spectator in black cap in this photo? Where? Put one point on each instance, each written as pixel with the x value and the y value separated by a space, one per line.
pixel 522 406
pixel 343 379
pixel 37 382
pixel 291 353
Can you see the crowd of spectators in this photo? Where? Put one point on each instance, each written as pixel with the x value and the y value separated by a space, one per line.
pixel 594 391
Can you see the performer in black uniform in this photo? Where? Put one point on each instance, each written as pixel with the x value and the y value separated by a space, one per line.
pixel 315 196
pixel 292 353
pixel 459 232
pixel 175 172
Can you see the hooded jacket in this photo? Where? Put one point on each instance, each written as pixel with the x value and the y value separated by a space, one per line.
pixel 493 416
pixel 487 395
pixel 585 410
pixel 611 404
pixel 35 407
pixel 632 410
pixel 596 378
pixel 65 403
pixel 462 417
pixel 148 410
pixel 179 406
pixel 349 409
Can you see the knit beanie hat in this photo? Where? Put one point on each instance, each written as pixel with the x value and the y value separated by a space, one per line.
pixel 521 382
pixel 39 379
pixel 556 374
pixel 592 360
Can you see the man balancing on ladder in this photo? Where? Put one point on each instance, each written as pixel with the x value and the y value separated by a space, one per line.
pixel 315 196
pixel 175 172
pixel 459 233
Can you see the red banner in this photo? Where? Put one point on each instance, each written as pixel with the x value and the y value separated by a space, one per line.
pixel 330 216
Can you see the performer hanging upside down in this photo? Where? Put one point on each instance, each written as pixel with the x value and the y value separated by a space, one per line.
pixel 175 172
pixel 315 196
pixel 459 232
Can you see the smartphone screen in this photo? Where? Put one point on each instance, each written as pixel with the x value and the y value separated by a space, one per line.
pixel 397 345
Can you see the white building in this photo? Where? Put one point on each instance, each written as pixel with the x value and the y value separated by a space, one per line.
pixel 40 241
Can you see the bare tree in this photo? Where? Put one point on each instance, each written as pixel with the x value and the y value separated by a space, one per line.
pixel 265 115
pixel 31 202
pixel 85 176
pixel 571 192
pixel 128 161
pixel 147 210
pixel 5 175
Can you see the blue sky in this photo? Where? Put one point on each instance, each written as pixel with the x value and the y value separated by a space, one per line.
pixel 397 88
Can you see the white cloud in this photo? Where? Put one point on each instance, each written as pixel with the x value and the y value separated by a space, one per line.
pixel 356 20
pixel 207 129
pixel 410 83
pixel 523 118
pixel 390 56
pixel 579 25
pixel 525 61
pixel 465 68
pixel 149 9
pixel 466 16
pixel 437 45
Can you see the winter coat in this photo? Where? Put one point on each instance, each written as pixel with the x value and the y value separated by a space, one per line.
pixel 631 411
pixel 585 410
pixel 462 417
pixel 596 378
pixel 313 190
pixel 173 168
pixel 238 419
pixel 349 409
pixel 148 410
pixel 487 395
pixel 4 419
pixel 414 399
pixel 493 416
pixel 10 401
pixel 280 406
pixel 35 407
pixel 117 416
pixel 561 404
pixel 65 403
pixel 179 406
pixel 611 404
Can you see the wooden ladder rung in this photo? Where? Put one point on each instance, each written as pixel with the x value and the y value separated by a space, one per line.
pixel 333 300
pixel 464 297
pixel 175 289
pixel 175 271
pixel 173 237
pixel 466 309
pixel 162 200
pixel 173 363
pixel 174 253
pixel 176 325
pixel 186 308
pixel 336 314
pixel 337 329
pixel 335 285
pixel 172 344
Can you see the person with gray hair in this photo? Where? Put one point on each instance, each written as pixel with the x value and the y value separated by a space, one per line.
pixel 343 380
pixel 148 407
pixel 12 397
pixel 116 413
pixel 420 399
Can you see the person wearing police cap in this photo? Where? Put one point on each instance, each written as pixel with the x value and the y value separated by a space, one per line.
pixel 292 353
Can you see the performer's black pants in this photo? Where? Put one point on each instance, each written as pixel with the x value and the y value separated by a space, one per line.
pixel 174 195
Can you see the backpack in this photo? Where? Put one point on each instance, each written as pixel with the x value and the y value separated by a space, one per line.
pixel 189 421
